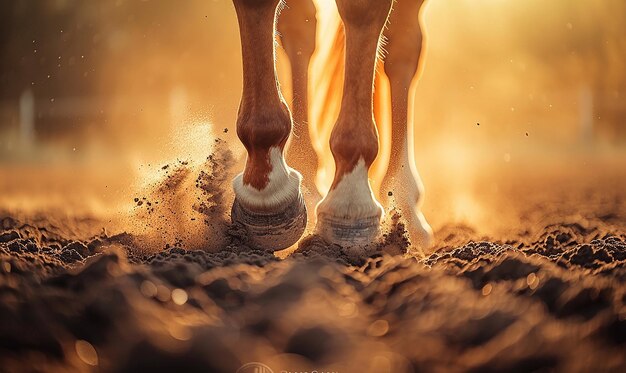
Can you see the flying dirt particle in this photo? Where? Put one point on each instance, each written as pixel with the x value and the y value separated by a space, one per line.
pixel 139 203
pixel 86 352
pixel 478 124
pixel 390 193
pixel 526 134
pixel 165 167
pixel 378 328
pixel 225 130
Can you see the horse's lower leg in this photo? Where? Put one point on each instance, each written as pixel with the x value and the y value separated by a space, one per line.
pixel 268 201
pixel 350 214
pixel 297 26
pixel 402 187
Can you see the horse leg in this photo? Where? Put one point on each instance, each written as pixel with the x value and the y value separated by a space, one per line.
pixel 268 201
pixel 297 26
pixel 402 187
pixel 350 214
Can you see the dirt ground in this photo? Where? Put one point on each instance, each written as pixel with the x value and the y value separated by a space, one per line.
pixel 535 283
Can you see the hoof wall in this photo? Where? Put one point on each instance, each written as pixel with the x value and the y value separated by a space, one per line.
pixel 272 231
pixel 348 232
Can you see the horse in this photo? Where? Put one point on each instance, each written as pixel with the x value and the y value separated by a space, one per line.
pixel 371 41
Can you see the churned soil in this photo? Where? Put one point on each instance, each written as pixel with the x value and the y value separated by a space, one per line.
pixel 547 296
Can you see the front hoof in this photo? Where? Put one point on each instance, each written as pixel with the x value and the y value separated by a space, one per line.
pixel 272 231
pixel 348 232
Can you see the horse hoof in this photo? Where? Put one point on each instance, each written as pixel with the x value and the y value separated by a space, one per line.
pixel 348 232
pixel 272 231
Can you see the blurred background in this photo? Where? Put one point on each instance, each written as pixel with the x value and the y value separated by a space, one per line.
pixel 95 93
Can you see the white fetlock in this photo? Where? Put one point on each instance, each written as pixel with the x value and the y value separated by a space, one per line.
pixel 350 215
pixel 274 216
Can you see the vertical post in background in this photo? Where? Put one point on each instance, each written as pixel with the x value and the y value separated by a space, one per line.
pixel 586 117
pixel 27 120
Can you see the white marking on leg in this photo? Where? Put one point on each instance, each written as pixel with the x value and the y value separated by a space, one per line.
pixel 282 189
pixel 352 198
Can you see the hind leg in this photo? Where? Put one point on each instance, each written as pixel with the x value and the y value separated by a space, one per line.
pixel 402 187
pixel 297 26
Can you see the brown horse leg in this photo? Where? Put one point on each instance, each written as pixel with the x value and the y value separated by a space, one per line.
pixel 350 214
pixel 268 201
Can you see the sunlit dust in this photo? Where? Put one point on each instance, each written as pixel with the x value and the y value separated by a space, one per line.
pixel 180 199
pixel 188 141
